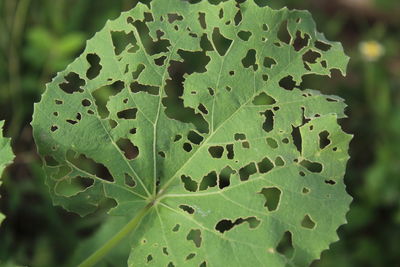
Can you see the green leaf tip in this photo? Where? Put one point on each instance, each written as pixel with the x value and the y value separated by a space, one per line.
pixel 197 110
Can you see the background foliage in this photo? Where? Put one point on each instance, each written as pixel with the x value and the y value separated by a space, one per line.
pixel 39 38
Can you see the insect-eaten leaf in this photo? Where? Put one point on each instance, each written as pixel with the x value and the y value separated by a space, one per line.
pixel 197 107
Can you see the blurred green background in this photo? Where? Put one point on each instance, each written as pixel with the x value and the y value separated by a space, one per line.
pixel 38 38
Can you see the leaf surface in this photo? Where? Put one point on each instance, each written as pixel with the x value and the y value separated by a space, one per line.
pixel 6 156
pixel 198 109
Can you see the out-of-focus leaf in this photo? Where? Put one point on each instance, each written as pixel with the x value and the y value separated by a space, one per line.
pixel 70 44
pixel 6 156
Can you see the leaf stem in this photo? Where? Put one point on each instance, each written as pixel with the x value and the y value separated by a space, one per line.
pixel 101 252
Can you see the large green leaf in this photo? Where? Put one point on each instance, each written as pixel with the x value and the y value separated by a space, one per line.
pixel 193 115
pixel 6 156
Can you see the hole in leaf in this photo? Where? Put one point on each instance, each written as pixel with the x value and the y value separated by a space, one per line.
pixel 172 17
pixel 203 109
pixel 250 60
pixel 272 142
pixel 128 114
pixel 227 225
pixel 246 144
pixel 128 148
pixel 200 58
pixel 137 87
pixel 299 43
pixel 210 180
pixel 279 162
pixel 86 102
pixel 322 46
pixel 247 171
pixel 240 136
pixel 113 123
pixel 244 35
pixel 89 165
pixel 311 166
pixel 176 228
pixel 149 258
pixel 189 184
pixel 202 20
pixel 265 165
pixel 187 209
pixel 330 182
pixel 195 236
pixel 54 128
pixel 307 222
pixel 263 99
pixel 311 56
pixel 225 176
pixel 238 18
pixel 165 251
pixel 323 139
pixel 152 47
pixel 285 245
pixel 95 67
pixel 272 197
pixel 231 153
pixel 268 124
pixel 121 40
pixel 190 256
pixel 175 109
pixel 221 43
pixel 195 138
pixel 221 13
pixel 73 84
pixel 287 83
pixel 160 61
pixel 103 94
pixel 72 122
pixel 283 33
pixel 187 147
pixel 148 17
pixel 129 181
pixel 269 62
pixel 216 151
pixel 140 68
pixel 305 190
pixel 297 138
pixel 177 137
